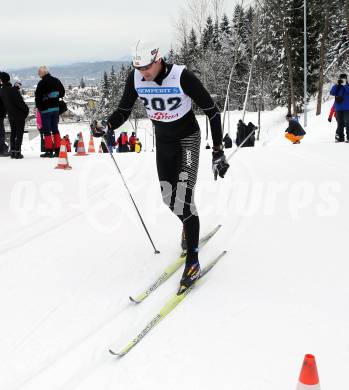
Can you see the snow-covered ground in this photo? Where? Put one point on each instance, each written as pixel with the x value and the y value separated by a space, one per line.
pixel 72 250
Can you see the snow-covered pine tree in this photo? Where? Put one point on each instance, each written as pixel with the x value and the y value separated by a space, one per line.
pixel 114 90
pixel 338 52
pixel 103 103
pixel 172 56
pixel 322 15
pixel 241 60
pixel 184 55
pixel 269 54
pixel 227 57
pixel 193 52
pixel 208 33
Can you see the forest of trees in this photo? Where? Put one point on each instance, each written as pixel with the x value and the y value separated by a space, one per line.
pixel 266 37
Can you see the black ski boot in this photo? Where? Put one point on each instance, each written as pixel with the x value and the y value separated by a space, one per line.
pixel 190 275
pixel 18 156
pixel 339 138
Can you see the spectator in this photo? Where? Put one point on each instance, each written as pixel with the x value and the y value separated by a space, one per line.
pixel 332 114
pixel 68 143
pixel 110 138
pixel 295 132
pixel 47 95
pixel 341 104
pixel 17 112
pixel 3 146
pixel 228 142
pixel 122 142
pixel 132 141
pixel 18 85
pixel 138 145
pixel 76 143
pixel 39 127
pixel 104 147
pixel 245 135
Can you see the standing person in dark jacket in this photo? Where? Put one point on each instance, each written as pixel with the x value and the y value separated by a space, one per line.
pixel 17 112
pixel 132 141
pixel 110 137
pixel 3 147
pixel 76 143
pixel 167 92
pixel 341 105
pixel 47 95
pixel 295 132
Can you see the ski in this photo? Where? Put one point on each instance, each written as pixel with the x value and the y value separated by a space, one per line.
pixel 167 308
pixel 171 269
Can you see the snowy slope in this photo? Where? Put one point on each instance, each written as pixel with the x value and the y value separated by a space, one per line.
pixel 72 251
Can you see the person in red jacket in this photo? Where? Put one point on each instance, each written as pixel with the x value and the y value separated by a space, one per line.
pixel 122 142
pixel 332 113
pixel 132 141
pixel 67 142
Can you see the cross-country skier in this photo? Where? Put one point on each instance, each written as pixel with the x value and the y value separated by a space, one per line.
pixel 167 91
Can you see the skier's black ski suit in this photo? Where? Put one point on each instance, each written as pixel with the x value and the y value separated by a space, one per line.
pixel 177 149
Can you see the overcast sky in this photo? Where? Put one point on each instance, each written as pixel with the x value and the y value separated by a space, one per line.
pixel 62 32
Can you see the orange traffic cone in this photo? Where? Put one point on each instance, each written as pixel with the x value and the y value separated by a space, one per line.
pixel 309 378
pixel 81 147
pixel 63 157
pixel 91 145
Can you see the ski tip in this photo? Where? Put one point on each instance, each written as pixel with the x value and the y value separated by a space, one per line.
pixel 133 300
pixel 117 354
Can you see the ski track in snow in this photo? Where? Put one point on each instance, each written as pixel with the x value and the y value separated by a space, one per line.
pixel 40 231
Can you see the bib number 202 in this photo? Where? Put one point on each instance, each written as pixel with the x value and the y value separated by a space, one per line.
pixel 159 104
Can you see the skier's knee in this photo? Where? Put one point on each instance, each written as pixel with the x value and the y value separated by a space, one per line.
pixel 166 192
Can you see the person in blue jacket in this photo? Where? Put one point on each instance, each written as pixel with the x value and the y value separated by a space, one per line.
pixel 341 105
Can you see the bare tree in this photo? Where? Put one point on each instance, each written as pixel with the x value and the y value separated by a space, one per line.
pixel 217 6
pixel 198 12
pixel 323 41
pixel 346 14
pixel 288 52
pixel 181 26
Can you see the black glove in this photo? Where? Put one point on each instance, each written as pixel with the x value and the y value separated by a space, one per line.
pixel 219 164
pixel 99 128
pixel 329 119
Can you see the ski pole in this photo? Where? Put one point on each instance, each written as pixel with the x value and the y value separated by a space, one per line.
pixel 129 192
